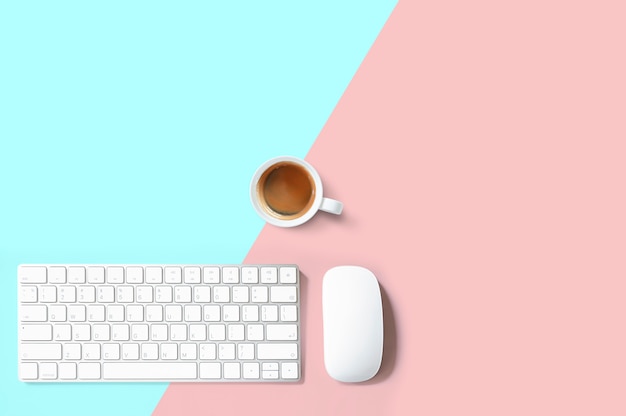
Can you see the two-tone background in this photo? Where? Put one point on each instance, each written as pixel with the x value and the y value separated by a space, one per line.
pixel 479 149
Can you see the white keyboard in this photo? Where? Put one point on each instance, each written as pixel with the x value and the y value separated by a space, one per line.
pixel 204 323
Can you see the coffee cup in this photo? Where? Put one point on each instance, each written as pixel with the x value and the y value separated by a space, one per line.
pixel 287 191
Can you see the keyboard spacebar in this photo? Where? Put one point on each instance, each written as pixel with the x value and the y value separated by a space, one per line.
pixel 149 371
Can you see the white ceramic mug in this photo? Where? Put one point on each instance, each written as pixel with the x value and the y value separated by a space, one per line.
pixel 287 191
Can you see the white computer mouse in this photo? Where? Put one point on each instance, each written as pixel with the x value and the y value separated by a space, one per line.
pixel 353 323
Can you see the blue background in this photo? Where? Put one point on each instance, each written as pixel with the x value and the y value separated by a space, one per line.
pixel 129 132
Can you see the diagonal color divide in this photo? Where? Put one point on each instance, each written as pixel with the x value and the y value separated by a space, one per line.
pixel 479 154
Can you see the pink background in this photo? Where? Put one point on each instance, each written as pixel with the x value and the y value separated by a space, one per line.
pixel 479 152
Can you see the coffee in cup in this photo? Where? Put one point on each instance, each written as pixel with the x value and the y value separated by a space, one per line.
pixel 287 191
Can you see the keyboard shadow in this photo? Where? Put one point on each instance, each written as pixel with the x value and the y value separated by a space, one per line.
pixel 304 283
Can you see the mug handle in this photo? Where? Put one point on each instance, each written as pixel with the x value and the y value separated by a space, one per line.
pixel 331 205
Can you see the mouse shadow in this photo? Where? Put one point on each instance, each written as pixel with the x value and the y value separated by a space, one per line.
pixel 389 343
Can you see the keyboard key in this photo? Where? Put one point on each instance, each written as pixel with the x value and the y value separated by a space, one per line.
pixel 178 332
pixel 72 351
pixel 134 275
pixel 269 275
pixel 150 351
pixel 76 313
pixel 197 332
pixel 47 351
pixel 139 332
pixel 28 294
pixel 250 313
pixel 169 351
pixel 91 351
pixel 202 294
pixel 144 294
pixel 211 313
pixel 120 332
pixel 270 375
pixel 241 294
pixel 208 351
pixel 251 371
pixel 270 366
pixel 230 275
pixel 192 275
pixel 163 294
pixel 86 294
pixel 125 294
pixel 269 313
pixel 149 371
pixel 193 313
pixel 56 274
pixel 259 294
pixel 158 332
pixel 115 275
pixel 134 313
pixel 67 371
pixel 226 351
pixel 217 332
pixel 95 275
pixel 188 351
pixel 36 332
pixel 57 313
pixel 288 313
pixel 255 332
pixel 62 332
pixel 96 313
pixel 154 313
pixel 111 351
pixel 277 351
pixel 221 294
pixel 67 294
pixel 173 275
pixel 130 351
pixel 33 313
pixel 232 370
pixel 48 294
pixel 154 275
pixel 48 371
pixel 106 294
pixel 287 274
pixel 76 275
pixel 182 294
pixel 245 351
pixel 81 332
pixel 210 370
pixel 32 274
pixel 101 332
pixel 289 370
pixel 249 275
pixel 235 332
pixel 115 313
pixel 89 371
pixel 231 313
pixel 281 332
pixel 283 294
pixel 173 313
pixel 211 275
